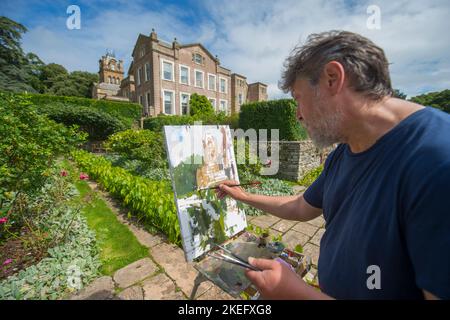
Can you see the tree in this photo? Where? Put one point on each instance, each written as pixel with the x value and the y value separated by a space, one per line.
pixel 50 73
pixel 18 72
pixel 439 100
pixel 200 105
pixel 399 94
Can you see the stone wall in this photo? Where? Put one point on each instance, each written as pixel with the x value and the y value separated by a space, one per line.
pixel 299 157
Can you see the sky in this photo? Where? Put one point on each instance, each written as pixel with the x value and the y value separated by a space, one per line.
pixel 250 37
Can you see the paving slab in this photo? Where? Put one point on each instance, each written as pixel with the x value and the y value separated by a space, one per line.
pixel 135 272
pixel 132 293
pixel 100 289
pixel 265 221
pixel 293 238
pixel 305 228
pixel 284 225
pixel 160 287
pixel 171 258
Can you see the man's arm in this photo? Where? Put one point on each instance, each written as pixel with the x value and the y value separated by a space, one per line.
pixel 285 207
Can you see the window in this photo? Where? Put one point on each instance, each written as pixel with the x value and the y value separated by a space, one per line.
pixel 148 102
pixel 147 71
pixel 223 106
pixel 199 78
pixel 142 52
pixel 167 70
pixel 240 98
pixel 184 103
pixel 223 85
pixel 141 100
pixel 213 102
pixel 139 76
pixel 112 67
pixel 211 82
pixel 168 97
pixel 198 58
pixel 109 79
pixel 184 74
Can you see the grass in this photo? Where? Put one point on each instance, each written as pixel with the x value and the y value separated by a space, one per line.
pixel 118 245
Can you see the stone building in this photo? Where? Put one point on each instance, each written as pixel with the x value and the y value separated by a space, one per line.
pixel 110 77
pixel 163 76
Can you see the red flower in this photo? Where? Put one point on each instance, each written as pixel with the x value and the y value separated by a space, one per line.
pixel 63 173
pixel 3 220
pixel 83 176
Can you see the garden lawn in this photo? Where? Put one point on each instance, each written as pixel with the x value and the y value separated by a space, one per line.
pixel 118 245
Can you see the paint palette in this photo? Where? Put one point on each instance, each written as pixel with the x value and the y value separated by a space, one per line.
pixel 231 278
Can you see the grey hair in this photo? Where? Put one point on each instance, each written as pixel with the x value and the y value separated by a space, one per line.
pixel 364 62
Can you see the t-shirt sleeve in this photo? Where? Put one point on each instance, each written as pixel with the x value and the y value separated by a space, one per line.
pixel 427 230
pixel 314 194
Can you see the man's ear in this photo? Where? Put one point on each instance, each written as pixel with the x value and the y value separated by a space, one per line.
pixel 334 77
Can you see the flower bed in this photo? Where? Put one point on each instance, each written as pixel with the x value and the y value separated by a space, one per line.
pixel 152 201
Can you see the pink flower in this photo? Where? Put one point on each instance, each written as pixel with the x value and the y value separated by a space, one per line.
pixel 63 173
pixel 7 261
pixel 83 176
pixel 3 220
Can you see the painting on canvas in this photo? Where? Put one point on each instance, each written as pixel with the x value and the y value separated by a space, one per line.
pixel 201 157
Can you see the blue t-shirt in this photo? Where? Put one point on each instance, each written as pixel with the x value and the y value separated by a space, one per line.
pixel 388 207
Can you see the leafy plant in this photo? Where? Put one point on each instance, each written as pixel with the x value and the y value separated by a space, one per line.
pixel 311 176
pixel 29 146
pixel 200 105
pixel 144 145
pixel 151 201
pixel 274 114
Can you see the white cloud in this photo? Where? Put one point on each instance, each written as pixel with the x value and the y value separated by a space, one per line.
pixel 253 38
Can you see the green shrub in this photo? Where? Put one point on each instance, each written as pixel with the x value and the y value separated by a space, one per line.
pixel 311 176
pixel 274 114
pixel 144 145
pixel 200 105
pixel 97 124
pixel 56 226
pixel 29 144
pixel 157 123
pixel 126 112
pixel 152 201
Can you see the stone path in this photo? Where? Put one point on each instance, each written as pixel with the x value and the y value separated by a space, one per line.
pixel 165 274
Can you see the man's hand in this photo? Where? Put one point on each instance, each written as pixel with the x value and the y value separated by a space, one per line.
pixel 236 193
pixel 278 282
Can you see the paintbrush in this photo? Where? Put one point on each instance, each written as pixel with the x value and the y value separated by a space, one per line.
pixel 252 183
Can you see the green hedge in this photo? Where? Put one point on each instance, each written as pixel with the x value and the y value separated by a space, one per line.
pixel 157 123
pixel 273 114
pixel 97 124
pixel 152 201
pixel 126 112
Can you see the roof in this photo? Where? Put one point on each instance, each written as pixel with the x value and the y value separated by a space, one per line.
pixel 201 46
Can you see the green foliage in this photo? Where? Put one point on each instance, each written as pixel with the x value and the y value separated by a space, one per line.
pixel 200 105
pixel 75 84
pixel 126 112
pixel 311 176
pixel 399 94
pixel 18 71
pixel 68 242
pixel 97 124
pixel 30 143
pixel 247 163
pixel 152 201
pixel 268 187
pixel 184 175
pixel 138 167
pixel 144 145
pixel 274 114
pixel 439 100
pixel 157 123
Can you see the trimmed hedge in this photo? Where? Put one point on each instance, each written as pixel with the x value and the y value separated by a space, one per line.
pixel 152 201
pixel 126 112
pixel 273 114
pixel 97 124
pixel 157 123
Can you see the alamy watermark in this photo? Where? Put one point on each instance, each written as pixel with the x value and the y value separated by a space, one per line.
pixel 74 19
pixel 373 22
